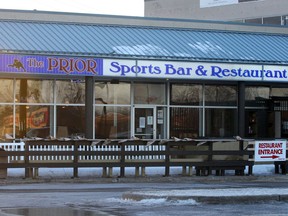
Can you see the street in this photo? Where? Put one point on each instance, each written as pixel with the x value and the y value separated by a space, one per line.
pixel 91 199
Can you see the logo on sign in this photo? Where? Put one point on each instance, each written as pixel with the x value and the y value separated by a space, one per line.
pixel 17 64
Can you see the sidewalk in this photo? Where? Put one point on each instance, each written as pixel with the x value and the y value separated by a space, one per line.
pixel 263 186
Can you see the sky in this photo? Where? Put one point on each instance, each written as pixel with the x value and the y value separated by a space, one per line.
pixel 111 7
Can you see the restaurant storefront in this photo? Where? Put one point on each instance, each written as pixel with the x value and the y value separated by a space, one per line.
pixel 137 98
pixel 128 87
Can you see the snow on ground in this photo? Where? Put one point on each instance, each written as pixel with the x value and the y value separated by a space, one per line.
pixel 217 192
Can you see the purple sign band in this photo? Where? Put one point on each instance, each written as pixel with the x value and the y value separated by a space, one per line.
pixel 53 65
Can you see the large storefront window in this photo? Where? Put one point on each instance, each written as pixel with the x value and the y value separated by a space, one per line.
pixel 70 118
pixel 112 122
pixel 32 120
pixel 256 115
pixel 213 112
pixel 221 120
pixel 186 121
pixel 266 112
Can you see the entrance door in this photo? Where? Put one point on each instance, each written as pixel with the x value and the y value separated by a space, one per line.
pixel 150 122
pixel 144 122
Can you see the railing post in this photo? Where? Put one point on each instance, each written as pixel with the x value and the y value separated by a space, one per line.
pixel 75 161
pixel 122 160
pixel 26 160
pixel 167 159
pixel 210 156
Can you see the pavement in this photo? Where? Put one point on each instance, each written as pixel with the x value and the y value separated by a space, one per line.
pixel 202 189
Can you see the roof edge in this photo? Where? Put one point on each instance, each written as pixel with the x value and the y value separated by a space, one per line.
pixel 81 18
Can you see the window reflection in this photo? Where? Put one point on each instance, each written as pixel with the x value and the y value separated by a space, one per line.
pixel 220 95
pixel 6 90
pixel 33 121
pixel 272 20
pixel 279 92
pixel 145 93
pixel 220 122
pixel 70 92
pixel 34 91
pixel 112 122
pixel 70 121
pixel 185 122
pixel 112 93
pixel 254 95
pixel 6 121
pixel 188 94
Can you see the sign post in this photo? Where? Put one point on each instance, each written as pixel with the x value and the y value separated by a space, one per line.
pixel 270 151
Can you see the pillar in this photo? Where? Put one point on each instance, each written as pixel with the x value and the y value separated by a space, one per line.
pixel 89 102
pixel 241 109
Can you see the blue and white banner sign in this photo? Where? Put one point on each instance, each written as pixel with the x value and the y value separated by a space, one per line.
pixel 194 70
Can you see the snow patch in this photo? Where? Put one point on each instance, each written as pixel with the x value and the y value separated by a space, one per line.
pixel 155 202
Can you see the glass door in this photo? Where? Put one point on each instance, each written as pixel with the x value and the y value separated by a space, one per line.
pixel 144 122
pixel 150 122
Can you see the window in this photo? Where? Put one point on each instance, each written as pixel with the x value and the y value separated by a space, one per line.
pixel 272 20
pixel 254 96
pixel 220 122
pixel 186 94
pixel 185 122
pixel 70 121
pixel 144 93
pixel 106 93
pixel 6 90
pixel 33 121
pixel 240 1
pixel 279 92
pixel 112 122
pixel 34 91
pixel 256 21
pixel 70 92
pixel 6 120
pixel 220 95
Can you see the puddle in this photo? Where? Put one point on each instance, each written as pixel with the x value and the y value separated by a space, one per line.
pixel 49 212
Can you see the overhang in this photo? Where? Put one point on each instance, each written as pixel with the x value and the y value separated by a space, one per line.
pixel 143 42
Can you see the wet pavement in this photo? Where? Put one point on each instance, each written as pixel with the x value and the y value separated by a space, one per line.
pixel 64 211
pixel 163 196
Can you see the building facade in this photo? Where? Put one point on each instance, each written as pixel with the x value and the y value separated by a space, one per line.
pixel 270 12
pixel 114 77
